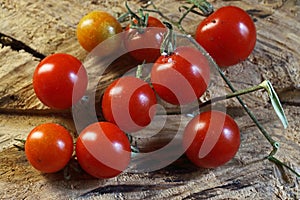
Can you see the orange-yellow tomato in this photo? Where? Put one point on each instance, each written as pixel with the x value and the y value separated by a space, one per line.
pixel 97 26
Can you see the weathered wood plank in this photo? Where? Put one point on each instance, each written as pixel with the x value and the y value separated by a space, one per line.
pixel 49 27
pixel 246 176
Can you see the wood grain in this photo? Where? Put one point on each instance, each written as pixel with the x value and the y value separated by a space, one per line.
pixel 30 30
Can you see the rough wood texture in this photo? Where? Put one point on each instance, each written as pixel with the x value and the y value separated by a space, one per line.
pixel 49 27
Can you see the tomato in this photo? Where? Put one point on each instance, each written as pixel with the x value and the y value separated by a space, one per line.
pixel 103 150
pixel 97 26
pixel 211 139
pixel 130 103
pixel 182 77
pixel 228 35
pixel 49 147
pixel 60 80
pixel 144 43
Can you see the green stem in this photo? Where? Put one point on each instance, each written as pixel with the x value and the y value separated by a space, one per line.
pixel 278 162
pixel 139 70
pixel 231 95
pixel 274 144
pixel 123 17
pixel 183 16
pixel 205 7
pixel 156 10
pixel 169 43
pixel 131 12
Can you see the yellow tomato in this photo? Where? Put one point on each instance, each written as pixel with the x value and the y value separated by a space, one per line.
pixel 96 27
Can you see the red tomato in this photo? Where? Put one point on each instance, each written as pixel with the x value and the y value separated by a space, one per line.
pixel 130 103
pixel 60 80
pixel 182 77
pixel 49 147
pixel 228 35
pixel 211 139
pixel 144 43
pixel 97 26
pixel 103 150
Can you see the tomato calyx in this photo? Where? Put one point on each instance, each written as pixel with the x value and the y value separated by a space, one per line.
pixel 138 21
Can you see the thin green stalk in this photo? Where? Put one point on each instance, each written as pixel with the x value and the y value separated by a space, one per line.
pixel 183 16
pixel 251 115
pixel 278 162
pixel 156 10
pixel 169 43
pixel 131 12
pixel 205 7
pixel 139 70
pixel 123 17
pixel 231 95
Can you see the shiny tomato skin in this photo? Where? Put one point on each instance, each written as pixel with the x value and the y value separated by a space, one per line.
pixel 103 150
pixel 49 147
pixel 211 139
pixel 228 35
pixel 130 103
pixel 97 26
pixel 182 77
pixel 60 80
pixel 144 43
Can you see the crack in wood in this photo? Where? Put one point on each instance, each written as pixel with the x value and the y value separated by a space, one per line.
pixel 289 96
pixel 258 13
pixel 17 45
pixel 212 192
pixel 124 188
pixel 36 112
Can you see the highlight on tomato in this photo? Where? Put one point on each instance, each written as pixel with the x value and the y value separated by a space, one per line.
pixel 103 150
pixel 130 103
pixel 96 27
pixel 211 139
pixel 228 35
pixel 60 81
pixel 49 147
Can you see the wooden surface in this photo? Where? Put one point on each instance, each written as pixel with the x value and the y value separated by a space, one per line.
pixel 49 27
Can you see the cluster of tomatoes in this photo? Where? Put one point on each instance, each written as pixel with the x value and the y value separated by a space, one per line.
pixel 178 76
